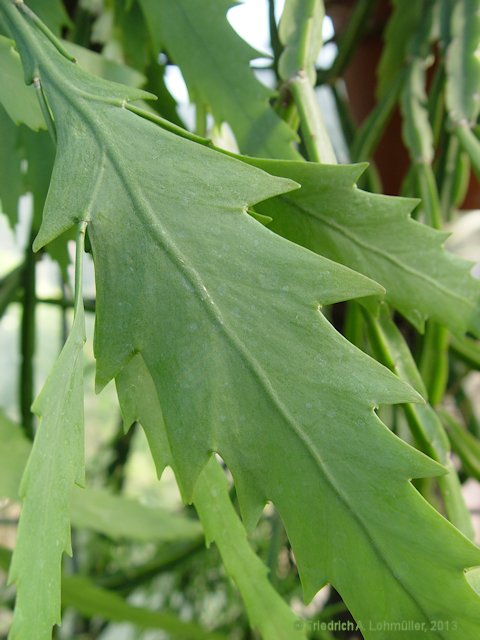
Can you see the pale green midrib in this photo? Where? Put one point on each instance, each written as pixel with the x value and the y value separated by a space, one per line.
pixel 162 238
pixel 379 252
pixel 275 120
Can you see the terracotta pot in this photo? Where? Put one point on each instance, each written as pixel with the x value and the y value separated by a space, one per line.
pixel 391 155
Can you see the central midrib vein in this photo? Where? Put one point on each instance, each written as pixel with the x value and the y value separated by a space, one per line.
pixel 327 221
pixel 163 238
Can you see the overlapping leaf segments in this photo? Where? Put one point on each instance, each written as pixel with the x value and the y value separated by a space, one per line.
pixel 375 235
pixel 215 63
pixel 328 214
pixel 226 316
pixel 269 614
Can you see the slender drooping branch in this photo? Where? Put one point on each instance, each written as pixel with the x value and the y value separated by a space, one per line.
pixel 301 35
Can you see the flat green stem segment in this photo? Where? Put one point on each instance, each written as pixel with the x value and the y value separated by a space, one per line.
pixel 54 466
pixel 417 130
pixel 300 32
pixel 301 35
pixel 455 507
pixel 471 144
pixel 268 613
pixel 428 191
pixel 434 364
pixel 397 36
pixel 454 177
pixel 465 444
pixel 419 138
pixel 392 349
pixel 468 349
pixel 463 62
pixel 315 135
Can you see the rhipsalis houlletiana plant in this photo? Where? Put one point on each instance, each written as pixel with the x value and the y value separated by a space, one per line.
pixel 296 349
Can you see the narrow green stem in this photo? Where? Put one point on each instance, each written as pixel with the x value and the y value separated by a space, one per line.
pixel 286 108
pixel 455 507
pixel 91 600
pixel 409 186
pixel 434 361
pixel 464 443
pixel 317 141
pixel 470 143
pixel 436 101
pixel 465 405
pixel 467 349
pixel 47 114
pixel 65 303
pixel 423 422
pixel 27 340
pixel 81 29
pixel 370 180
pixel 120 447
pixel 428 192
pixel 421 433
pixel 344 115
pixel 274 38
pixel 274 547
pixel 444 166
pixel 349 39
pixel 467 448
pixel 299 78
pixel 169 126
pixel 331 610
pixel 369 134
pixel 353 328
pixel 170 557
pixel 309 26
pixel 425 427
pixel 63 313
pixel 454 177
pixel 80 250
pixel 41 26
pixel 419 139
